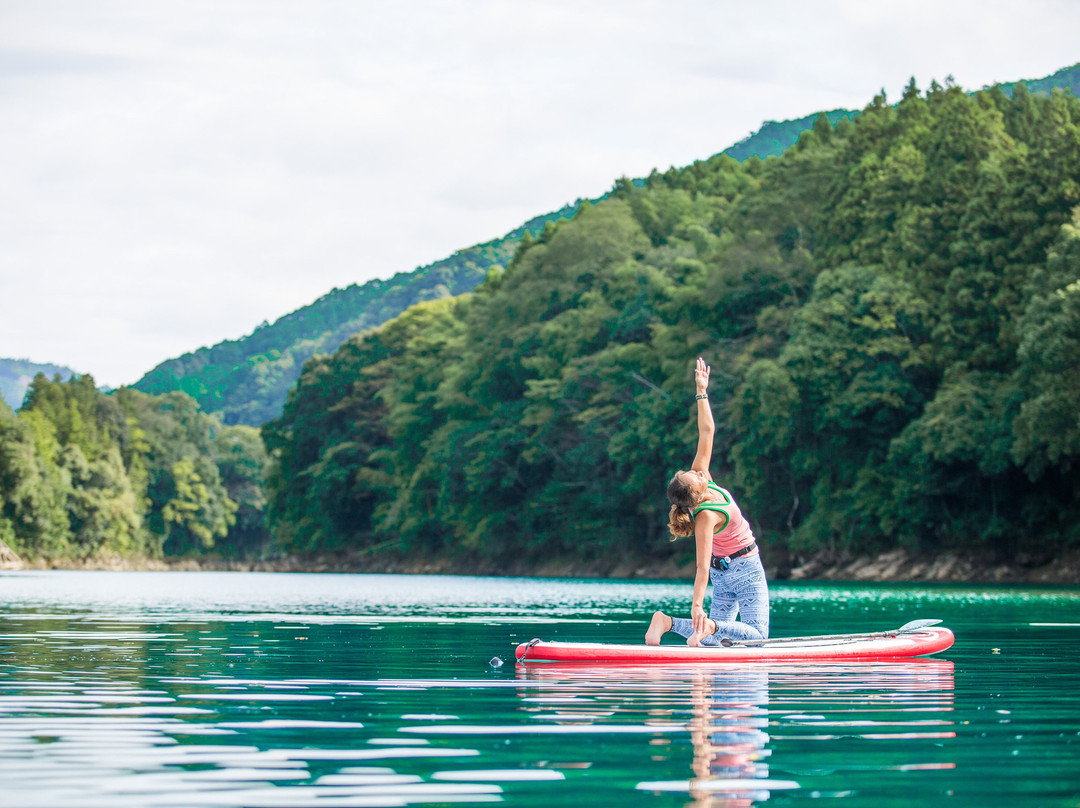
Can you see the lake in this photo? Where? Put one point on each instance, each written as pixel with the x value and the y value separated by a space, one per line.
pixel 259 689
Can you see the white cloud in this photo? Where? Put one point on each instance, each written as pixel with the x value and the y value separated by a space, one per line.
pixel 176 173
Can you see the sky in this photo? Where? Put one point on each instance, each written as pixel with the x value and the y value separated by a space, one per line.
pixel 176 173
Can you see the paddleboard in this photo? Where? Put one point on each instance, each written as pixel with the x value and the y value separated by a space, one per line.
pixel 839 648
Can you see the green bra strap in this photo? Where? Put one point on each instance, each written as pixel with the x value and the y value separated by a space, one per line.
pixel 714 487
pixel 715 508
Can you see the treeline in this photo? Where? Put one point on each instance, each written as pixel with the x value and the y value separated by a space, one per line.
pixel 84 474
pixel 891 310
pixel 246 381
pixel 776 137
pixel 1068 78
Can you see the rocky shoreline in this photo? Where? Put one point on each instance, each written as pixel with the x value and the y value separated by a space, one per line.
pixel 898 566
pixel 893 566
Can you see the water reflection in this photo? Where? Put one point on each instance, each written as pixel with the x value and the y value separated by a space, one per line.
pixel 729 731
pixel 168 690
pixel 737 716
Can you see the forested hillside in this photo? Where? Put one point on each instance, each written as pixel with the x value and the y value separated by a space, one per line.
pixel 86 475
pixel 776 137
pixel 1068 78
pixel 245 381
pixel 16 375
pixel 891 310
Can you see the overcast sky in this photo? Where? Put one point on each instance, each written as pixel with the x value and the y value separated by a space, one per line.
pixel 174 173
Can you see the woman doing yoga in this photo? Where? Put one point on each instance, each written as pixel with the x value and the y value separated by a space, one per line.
pixel 726 550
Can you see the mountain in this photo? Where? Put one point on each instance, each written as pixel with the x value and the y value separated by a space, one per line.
pixel 890 308
pixel 16 375
pixel 776 137
pixel 246 381
pixel 1068 78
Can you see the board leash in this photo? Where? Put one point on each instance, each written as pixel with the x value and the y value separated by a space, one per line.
pixel 528 645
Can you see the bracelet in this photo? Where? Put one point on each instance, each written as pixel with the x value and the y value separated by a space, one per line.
pixel 700 396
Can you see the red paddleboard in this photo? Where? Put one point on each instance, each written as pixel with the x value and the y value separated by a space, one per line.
pixel 838 648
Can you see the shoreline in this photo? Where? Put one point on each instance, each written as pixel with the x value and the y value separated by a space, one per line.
pixel 894 566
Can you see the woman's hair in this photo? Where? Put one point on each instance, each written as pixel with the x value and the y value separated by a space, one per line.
pixel 681 515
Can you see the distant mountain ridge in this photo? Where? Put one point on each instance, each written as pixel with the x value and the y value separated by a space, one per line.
pixel 1068 78
pixel 776 137
pixel 247 380
pixel 16 375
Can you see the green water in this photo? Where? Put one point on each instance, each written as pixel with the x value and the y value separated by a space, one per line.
pixel 234 689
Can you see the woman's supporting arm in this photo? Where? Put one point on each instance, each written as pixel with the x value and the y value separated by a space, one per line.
pixel 703 528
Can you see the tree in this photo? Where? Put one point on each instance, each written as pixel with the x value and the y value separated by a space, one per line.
pixel 1047 427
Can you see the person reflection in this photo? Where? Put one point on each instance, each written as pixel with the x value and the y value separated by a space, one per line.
pixel 730 711
pixel 728 707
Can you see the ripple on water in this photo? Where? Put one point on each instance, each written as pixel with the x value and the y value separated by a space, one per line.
pixel 233 690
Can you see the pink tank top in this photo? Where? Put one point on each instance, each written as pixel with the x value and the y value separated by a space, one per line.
pixel 732 533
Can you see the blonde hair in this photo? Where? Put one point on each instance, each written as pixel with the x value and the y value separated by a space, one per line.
pixel 681 515
pixel 680 524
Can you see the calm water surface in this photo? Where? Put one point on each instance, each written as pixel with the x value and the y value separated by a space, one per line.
pixel 245 689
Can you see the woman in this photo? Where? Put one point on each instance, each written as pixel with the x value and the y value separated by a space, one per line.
pixel 726 550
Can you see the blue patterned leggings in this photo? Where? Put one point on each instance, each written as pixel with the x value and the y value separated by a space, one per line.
pixel 741 589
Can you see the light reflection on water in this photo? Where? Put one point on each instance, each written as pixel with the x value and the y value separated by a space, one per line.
pixel 157 689
pixel 736 715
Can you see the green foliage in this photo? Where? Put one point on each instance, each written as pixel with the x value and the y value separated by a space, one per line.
pixel 327 477
pixel 33 514
pixel 1047 427
pixel 776 137
pixel 1066 79
pixel 890 310
pixel 103 512
pixel 246 381
pixel 241 460
pixel 86 474
pixel 192 517
pixel 889 304
pixel 189 507
pixel 79 432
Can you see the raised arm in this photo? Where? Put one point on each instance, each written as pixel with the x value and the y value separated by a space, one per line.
pixel 705 425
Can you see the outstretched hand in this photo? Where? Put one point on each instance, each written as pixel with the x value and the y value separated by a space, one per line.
pixel 701 376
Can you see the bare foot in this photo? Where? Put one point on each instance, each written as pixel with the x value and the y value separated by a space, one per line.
pixel 695 638
pixel 658 627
